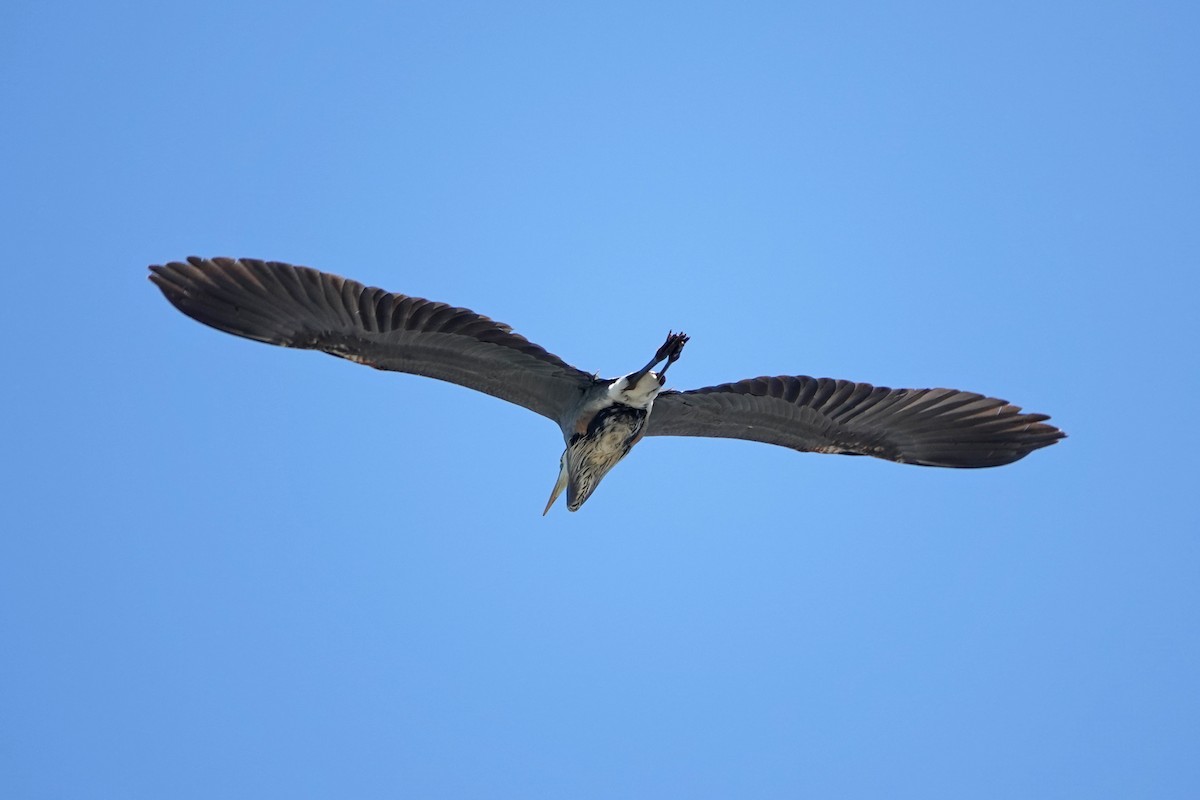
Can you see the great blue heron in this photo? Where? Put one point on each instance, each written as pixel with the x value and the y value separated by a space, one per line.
pixel 600 418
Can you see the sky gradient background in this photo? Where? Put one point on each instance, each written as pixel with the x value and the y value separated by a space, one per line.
pixel 230 570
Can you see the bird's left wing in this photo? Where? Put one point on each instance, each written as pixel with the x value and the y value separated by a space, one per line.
pixel 301 307
pixel 932 427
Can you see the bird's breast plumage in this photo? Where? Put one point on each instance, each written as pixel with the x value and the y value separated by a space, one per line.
pixel 605 439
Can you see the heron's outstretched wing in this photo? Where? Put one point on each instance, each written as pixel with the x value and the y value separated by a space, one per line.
pixel 932 427
pixel 301 307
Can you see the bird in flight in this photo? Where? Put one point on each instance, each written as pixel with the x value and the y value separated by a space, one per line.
pixel 601 418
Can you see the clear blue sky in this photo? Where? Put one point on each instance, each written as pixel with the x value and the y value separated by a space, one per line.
pixel 230 570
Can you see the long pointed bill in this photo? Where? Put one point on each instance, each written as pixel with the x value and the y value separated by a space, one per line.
pixel 558 487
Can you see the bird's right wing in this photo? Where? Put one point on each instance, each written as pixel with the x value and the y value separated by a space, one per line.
pixel 932 427
pixel 301 307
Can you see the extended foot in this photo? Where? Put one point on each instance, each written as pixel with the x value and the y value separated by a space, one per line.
pixel 669 352
pixel 671 348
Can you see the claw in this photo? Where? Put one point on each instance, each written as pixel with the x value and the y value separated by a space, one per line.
pixel 672 347
pixel 669 352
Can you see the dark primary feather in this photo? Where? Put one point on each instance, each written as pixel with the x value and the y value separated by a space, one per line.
pixel 931 427
pixel 301 307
